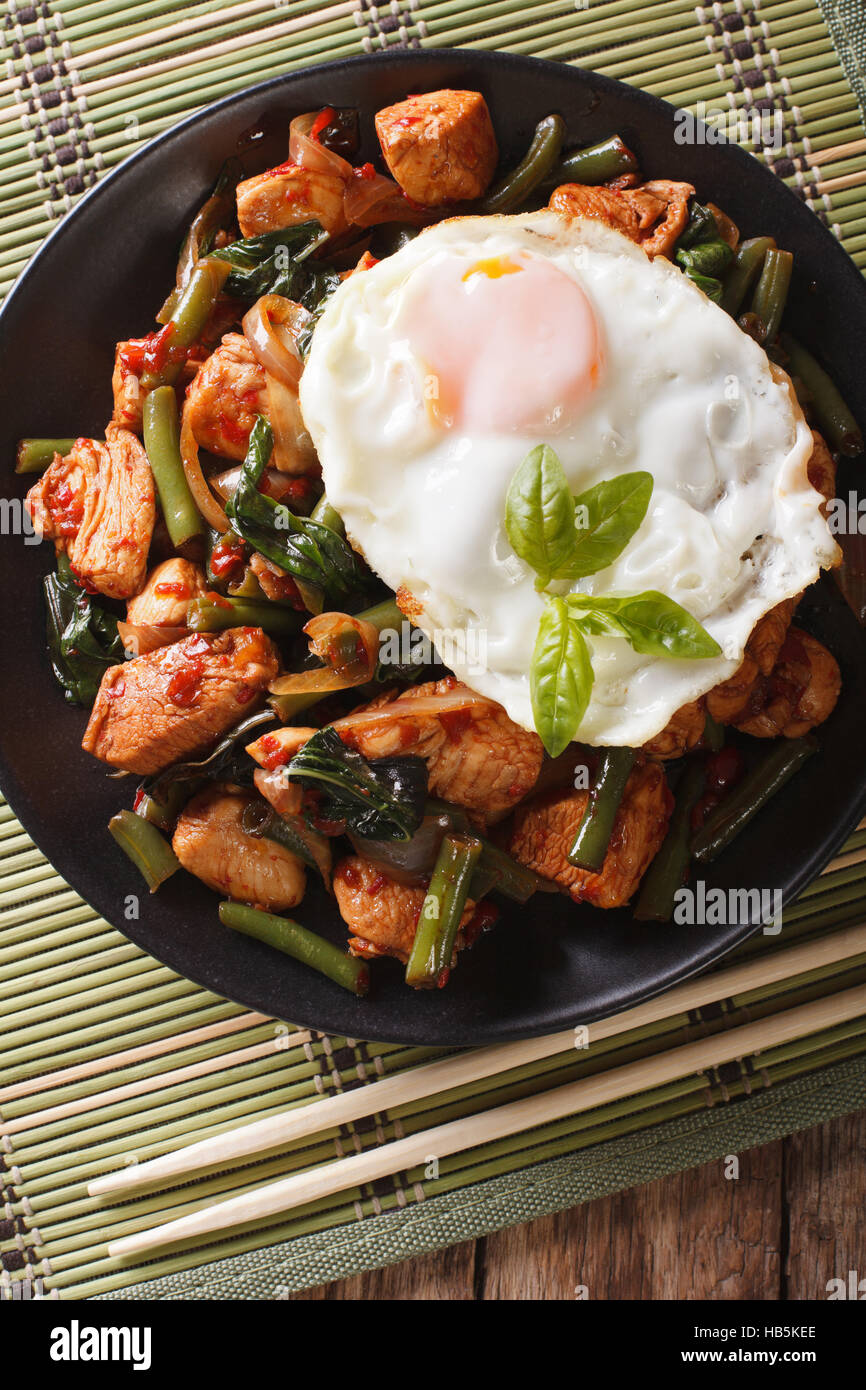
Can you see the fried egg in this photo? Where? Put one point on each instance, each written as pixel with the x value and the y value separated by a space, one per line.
pixel 433 374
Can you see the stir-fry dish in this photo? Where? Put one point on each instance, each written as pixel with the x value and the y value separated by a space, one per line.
pixel 446 539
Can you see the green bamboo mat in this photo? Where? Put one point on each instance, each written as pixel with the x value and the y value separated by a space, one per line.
pixel 106 1057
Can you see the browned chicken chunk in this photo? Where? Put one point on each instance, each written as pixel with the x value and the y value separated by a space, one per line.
pixel 211 843
pixel 728 700
pixel 544 832
pixel 683 732
pixel 165 598
pixel 98 503
pixel 127 392
pixel 799 693
pixel 476 756
pixel 176 701
pixel 653 216
pixel 290 194
pixel 382 916
pixel 225 396
pixel 440 147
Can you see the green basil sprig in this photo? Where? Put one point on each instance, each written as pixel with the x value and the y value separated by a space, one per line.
pixel 561 677
pixel 606 518
pixel 651 623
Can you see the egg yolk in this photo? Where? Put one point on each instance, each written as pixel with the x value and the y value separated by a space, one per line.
pixel 510 344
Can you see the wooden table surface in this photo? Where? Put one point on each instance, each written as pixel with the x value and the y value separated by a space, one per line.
pixel 790 1222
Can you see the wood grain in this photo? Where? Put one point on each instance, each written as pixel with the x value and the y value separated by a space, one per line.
pixel 780 1229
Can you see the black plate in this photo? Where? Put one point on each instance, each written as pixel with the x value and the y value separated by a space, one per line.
pixel 100 278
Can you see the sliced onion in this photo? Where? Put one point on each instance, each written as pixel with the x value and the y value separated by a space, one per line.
pixel 310 154
pixel 327 631
pixel 285 796
pixel 226 483
pixel 294 451
pixel 409 862
pixel 138 638
pixel 370 200
pixel 201 493
pixel 270 327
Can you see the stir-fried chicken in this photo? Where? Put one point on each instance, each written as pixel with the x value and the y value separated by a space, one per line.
pixel 382 915
pixel 684 731
pixel 727 701
pixel 653 216
pixel 289 194
pixel 800 691
pixel 127 392
pixel 476 756
pixel 225 396
pixel 440 147
pixel 165 598
pixel 175 702
pixel 98 504
pixel 545 828
pixel 211 843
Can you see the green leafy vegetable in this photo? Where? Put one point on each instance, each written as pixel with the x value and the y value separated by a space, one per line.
pixel 652 623
pixel 383 800
pixel 314 554
pixel 607 516
pixel 539 514
pixel 227 762
pixel 561 676
pixel 279 263
pixel 82 636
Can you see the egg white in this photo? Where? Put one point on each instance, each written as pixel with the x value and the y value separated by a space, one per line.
pixel 734 526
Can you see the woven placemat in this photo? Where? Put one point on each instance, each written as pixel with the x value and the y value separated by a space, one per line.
pixel 106 1057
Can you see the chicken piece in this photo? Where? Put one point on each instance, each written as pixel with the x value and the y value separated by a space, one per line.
pixel 822 471
pixel 476 756
pixel 98 504
pixel 176 701
pixel 164 600
pixel 653 216
pixel 225 396
pixel 440 147
pixel 727 701
pixel 127 392
pixel 382 915
pixel 800 691
pixel 211 843
pixel 289 194
pixel 684 731
pixel 544 832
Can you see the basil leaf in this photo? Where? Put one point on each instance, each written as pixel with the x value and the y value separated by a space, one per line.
pixel 606 518
pixel 561 677
pixel 539 514
pixel 382 800
pixel 82 635
pixel 652 623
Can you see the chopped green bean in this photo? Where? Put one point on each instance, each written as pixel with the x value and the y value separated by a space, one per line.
pixel 669 869
pixel 835 420
pixel 162 445
pixel 206 615
pixel 599 163
pixel 328 516
pixel 34 455
pixel 190 316
pixel 714 734
pixel 164 813
pixel 593 834
pixel 744 271
pixel 294 940
pixel 536 164
pixel 771 293
pixel 734 813
pixel 142 843
pixel 442 909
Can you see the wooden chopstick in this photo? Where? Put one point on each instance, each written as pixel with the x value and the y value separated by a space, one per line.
pixel 467 1133
pixel 222 1150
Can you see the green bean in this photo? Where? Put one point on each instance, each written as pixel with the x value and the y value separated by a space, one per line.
pixel 745 269
pixel 757 787
pixel 837 424
pixel 439 922
pixel 593 833
pixel 708 258
pixel 206 615
pixel 162 446
pixel 328 516
pixel 669 869
pixel 496 869
pixel 714 734
pixel 771 293
pixel 536 164
pixel 190 316
pixel 142 843
pixel 164 813
pixel 294 940
pixel 34 455
pixel 381 615
pixel 597 163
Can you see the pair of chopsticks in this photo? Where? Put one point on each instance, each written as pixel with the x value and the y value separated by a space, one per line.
pixel 263 1136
